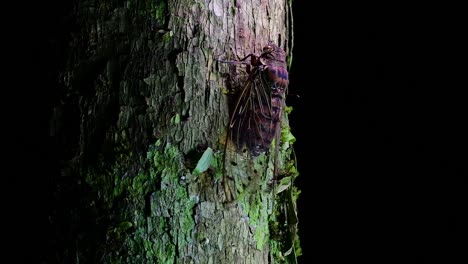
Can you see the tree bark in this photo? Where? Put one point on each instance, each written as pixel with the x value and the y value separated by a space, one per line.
pixel 142 118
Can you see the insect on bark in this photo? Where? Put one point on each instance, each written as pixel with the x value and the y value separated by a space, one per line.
pixel 256 117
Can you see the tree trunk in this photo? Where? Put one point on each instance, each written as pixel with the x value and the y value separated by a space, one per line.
pixel 142 119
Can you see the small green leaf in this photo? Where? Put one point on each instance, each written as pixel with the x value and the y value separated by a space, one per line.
pixel 124 225
pixel 204 162
pixel 288 252
pixel 283 184
pixel 175 119
pixel 158 143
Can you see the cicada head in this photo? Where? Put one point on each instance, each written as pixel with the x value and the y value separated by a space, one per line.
pixel 272 55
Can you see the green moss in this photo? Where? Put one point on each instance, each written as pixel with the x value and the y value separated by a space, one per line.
pixel 253 198
pixel 167 36
pixel 159 10
pixel 157 218
pixel 260 212
pixel 257 212
pixel 217 165
pixel 289 61
pixel 284 243
pixel 173 193
pixel 269 224
pixel 287 139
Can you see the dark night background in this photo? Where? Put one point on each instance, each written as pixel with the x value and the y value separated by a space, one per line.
pixel 380 132
pixel 377 115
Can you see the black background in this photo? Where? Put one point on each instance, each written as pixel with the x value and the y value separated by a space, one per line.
pixel 380 140
pixel 378 118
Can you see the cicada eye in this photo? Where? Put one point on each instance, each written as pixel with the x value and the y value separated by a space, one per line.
pixel 268 48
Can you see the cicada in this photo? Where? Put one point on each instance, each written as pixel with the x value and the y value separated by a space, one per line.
pixel 256 116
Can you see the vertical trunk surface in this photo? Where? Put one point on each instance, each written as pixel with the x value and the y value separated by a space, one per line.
pixel 142 119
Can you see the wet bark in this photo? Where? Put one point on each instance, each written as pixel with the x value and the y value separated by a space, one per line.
pixel 142 99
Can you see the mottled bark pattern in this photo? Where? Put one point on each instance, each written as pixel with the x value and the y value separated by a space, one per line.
pixel 142 98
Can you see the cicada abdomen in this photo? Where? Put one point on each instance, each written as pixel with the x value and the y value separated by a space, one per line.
pixel 257 114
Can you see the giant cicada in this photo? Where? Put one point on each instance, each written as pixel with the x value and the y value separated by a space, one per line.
pixel 256 115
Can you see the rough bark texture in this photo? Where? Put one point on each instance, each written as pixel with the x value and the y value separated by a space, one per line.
pixel 142 99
